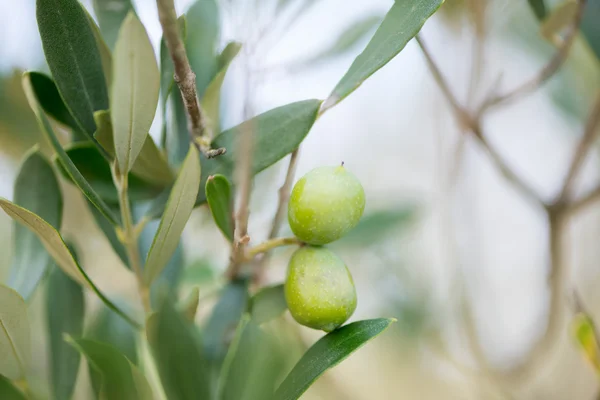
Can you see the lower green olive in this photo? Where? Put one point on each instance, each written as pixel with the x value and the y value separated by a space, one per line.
pixel 319 289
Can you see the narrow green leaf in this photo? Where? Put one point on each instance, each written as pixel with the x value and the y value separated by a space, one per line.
pixel 55 245
pixel 278 132
pixel 36 189
pixel 134 94
pixel 47 94
pixel 539 8
pixel 120 378
pixel 177 134
pixel 105 54
pixel 400 25
pixel 218 195
pixel 584 333
pixel 167 70
pixel 224 319
pixel 177 350
pixel 253 365
pixel 199 272
pixel 8 391
pixel 189 305
pixel 203 29
pixel 167 282
pixel 150 164
pixel 73 58
pixel 15 338
pixel 76 176
pixel 107 327
pixel 590 26
pixel 109 232
pixel 111 14
pixel 329 351
pixel 212 97
pixel 268 304
pixel 377 225
pixel 96 171
pixel 64 315
pixel 177 212
pixel 560 17
pixel 350 37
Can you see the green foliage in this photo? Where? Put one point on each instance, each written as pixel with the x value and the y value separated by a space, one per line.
pixel 328 352
pixel 36 189
pixel 120 378
pixel 590 26
pixel 177 212
pixel 65 309
pixel 14 336
pixel 218 195
pixel 539 8
pixel 108 102
pixel 73 58
pixel 134 94
pixel 400 25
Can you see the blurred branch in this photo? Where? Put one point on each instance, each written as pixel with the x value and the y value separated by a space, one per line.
pixel 588 199
pixel 582 150
pixel 284 194
pixel 466 121
pixel 546 72
pixel 200 135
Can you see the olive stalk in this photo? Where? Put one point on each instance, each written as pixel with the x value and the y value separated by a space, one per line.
pixel 269 245
pixel 129 237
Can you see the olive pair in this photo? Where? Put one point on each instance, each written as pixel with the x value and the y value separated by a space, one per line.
pixel 324 205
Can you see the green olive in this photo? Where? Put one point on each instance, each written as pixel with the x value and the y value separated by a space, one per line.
pixel 319 289
pixel 325 204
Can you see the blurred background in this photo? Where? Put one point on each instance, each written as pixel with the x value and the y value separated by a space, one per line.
pixel 446 245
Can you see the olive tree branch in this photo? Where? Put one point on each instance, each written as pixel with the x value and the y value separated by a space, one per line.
pixel 469 123
pixel 582 150
pixel 185 78
pixel 547 71
pixel 269 245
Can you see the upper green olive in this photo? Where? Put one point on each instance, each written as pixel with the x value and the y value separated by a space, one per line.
pixel 325 204
pixel 319 289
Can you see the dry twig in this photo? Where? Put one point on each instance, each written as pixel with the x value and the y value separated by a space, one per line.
pixel 186 79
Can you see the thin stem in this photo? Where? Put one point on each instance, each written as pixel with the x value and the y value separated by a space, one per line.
pixel 466 121
pixel 582 150
pixel 185 78
pixel 547 71
pixel 130 238
pixel 269 245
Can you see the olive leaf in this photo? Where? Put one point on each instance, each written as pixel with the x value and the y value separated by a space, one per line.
pixel 402 22
pixel 105 54
pixel 177 212
pixel 212 96
pixel 269 303
pixel 111 14
pixel 590 27
pixel 203 29
pixel 539 8
pixel 328 352
pixel 150 165
pixel 55 245
pixel 120 378
pixel 253 364
pixel 65 308
pixel 218 195
pixel 15 337
pixel 584 333
pixel 66 162
pixel 48 97
pixel 8 391
pixel 189 305
pixel 134 94
pixel 177 349
pixel 36 189
pixel 74 60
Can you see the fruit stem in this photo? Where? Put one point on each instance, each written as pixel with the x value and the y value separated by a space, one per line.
pixel 269 245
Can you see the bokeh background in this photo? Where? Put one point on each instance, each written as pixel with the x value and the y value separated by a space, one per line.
pixel 442 227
